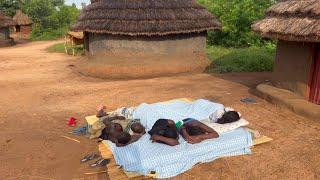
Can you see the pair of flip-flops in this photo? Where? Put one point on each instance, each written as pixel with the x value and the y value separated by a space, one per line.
pixel 98 163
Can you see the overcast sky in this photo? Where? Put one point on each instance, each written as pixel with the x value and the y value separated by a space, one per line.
pixel 77 2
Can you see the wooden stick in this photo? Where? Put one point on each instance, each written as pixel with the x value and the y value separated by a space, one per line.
pixel 98 172
pixel 72 139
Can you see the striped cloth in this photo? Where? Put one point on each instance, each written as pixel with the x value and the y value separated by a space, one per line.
pixel 144 156
pixel 177 111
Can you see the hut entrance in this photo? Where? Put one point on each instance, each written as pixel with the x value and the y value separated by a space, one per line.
pixel 18 29
pixel 315 77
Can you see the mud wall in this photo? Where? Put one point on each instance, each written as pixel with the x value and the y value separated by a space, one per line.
pixel 25 32
pixel 169 45
pixel 4 33
pixel 292 66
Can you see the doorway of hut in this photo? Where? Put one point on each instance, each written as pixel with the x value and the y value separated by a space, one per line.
pixel 86 42
pixel 17 28
pixel 315 77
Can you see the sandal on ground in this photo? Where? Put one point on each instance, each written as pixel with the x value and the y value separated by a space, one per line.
pixel 100 163
pixel 89 157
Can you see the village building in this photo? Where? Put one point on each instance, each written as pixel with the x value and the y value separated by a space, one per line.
pixel 5 24
pixel 151 37
pixel 296 25
pixel 22 25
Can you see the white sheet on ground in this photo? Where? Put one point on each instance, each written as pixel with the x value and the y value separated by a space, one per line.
pixel 145 156
pixel 177 111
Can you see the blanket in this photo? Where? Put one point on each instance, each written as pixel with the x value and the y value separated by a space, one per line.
pixel 144 156
pixel 177 111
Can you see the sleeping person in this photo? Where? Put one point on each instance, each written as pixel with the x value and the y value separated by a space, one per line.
pixel 125 138
pixel 164 131
pixel 194 131
pixel 225 120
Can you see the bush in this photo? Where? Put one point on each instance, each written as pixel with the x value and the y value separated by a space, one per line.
pixel 59 48
pixel 253 59
pixel 52 18
pixel 236 17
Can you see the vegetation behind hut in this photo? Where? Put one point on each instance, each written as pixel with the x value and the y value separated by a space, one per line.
pixel 52 18
pixel 237 17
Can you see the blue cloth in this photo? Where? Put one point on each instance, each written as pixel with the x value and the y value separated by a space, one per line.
pixel 176 111
pixel 144 156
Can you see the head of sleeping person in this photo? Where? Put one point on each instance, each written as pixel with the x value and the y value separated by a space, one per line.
pixel 171 133
pixel 117 127
pixel 194 130
pixel 138 128
pixel 123 138
pixel 229 117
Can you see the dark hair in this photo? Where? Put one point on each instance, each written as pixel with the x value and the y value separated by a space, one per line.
pixel 171 133
pixel 194 130
pixel 118 127
pixel 123 138
pixel 137 128
pixel 229 117
pixel 105 134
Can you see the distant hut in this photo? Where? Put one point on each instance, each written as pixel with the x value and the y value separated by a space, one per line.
pixel 147 31
pixel 5 24
pixel 296 25
pixel 23 24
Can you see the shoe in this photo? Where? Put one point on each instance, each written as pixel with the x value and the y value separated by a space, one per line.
pixel 100 163
pixel 89 157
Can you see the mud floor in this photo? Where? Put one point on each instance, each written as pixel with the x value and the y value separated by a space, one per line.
pixel 39 91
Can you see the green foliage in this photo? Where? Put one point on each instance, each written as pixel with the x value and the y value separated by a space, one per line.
pixel 59 48
pixel 252 59
pixel 52 18
pixel 236 17
pixel 9 7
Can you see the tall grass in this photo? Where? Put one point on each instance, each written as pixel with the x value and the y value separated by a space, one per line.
pixel 252 59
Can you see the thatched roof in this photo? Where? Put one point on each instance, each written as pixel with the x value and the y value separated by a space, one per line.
pixel 21 19
pixel 145 17
pixel 77 35
pixel 5 21
pixel 295 20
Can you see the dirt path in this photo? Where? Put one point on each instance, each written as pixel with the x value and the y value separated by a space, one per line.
pixel 39 92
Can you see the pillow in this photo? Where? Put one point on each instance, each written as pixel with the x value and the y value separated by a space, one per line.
pixel 222 128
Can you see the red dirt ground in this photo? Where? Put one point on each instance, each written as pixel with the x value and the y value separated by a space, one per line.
pixel 40 91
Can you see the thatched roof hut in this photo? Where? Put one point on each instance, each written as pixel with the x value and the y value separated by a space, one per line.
pixel 152 28
pixel 146 17
pixel 21 19
pixel 296 24
pixel 297 20
pixel 23 24
pixel 5 24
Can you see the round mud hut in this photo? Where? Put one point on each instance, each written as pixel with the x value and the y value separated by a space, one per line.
pixel 5 24
pixel 144 38
pixel 22 25
pixel 296 25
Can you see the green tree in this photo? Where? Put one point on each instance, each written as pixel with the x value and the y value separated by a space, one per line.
pixel 236 17
pixel 9 7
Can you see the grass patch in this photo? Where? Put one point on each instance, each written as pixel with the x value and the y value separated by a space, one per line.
pixel 59 48
pixel 252 59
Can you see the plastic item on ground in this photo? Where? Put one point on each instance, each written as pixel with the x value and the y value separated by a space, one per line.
pixel 72 121
pixel 80 131
pixel 248 100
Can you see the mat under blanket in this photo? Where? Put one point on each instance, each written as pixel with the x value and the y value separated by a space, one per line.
pixel 177 110
pixel 145 156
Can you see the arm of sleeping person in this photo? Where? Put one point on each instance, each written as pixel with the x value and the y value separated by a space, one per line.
pixel 210 133
pixel 168 141
pixel 188 138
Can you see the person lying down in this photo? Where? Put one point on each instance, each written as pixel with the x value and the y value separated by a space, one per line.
pixel 114 133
